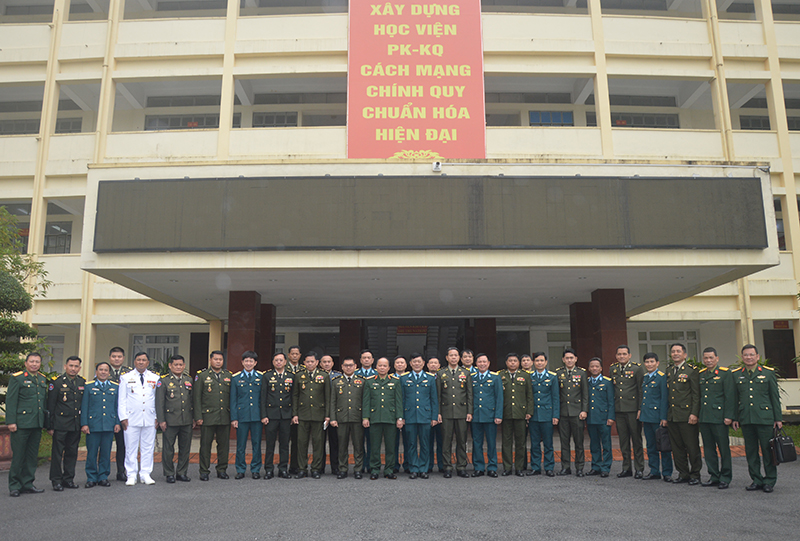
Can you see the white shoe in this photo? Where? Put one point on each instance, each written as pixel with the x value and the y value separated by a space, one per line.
pixel 131 481
pixel 147 480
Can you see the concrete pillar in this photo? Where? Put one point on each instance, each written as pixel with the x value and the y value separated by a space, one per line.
pixel 581 327
pixel 610 323
pixel 244 326
pixel 216 331
pixel 267 347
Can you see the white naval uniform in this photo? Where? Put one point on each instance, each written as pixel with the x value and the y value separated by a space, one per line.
pixel 137 404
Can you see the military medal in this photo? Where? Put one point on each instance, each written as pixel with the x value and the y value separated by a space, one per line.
pixel 209 388
pixel 65 398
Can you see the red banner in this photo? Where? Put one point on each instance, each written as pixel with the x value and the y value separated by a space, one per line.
pixel 415 80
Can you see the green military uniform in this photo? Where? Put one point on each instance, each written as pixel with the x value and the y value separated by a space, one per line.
pixel 212 405
pixel 310 399
pixel 26 403
pixel 382 406
pixel 174 406
pixel 346 403
pixel 683 389
pixel 517 404
pixel 758 408
pixel 64 398
pixel 454 388
pixel 574 395
pixel 716 405
pixel 627 379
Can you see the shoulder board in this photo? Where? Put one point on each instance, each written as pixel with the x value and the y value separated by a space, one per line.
pixel 495 373
pixel 165 376
pixel 703 370
pixel 637 363
pixel 19 373
pixel 114 382
pixel 237 373
pixel 551 373
pixel 371 377
pixel 606 378
pixel 736 369
pixel 429 373
pixel 395 376
pixel 262 373
pixel 660 373
pixel 769 368
pixel 53 378
pixel 527 371
pixel 89 382
pixel 337 377
pixel 723 368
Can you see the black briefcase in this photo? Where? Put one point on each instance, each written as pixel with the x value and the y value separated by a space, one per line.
pixel 782 447
pixel 662 440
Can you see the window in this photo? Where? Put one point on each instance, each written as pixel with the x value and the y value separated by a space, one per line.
pixel 779 223
pixel 28 126
pixel 623 100
pixel 527 97
pixel 184 101
pixel 186 122
pixel 69 125
pixel 754 122
pixel 659 341
pixel 159 347
pixel 53 354
pixel 275 120
pixel 551 118
pixel 499 119
pixel 308 97
pixel 637 120
pixel 57 237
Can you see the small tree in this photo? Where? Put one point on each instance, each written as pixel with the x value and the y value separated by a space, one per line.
pixel 17 269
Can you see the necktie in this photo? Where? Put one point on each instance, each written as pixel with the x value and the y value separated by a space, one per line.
pixel 141 378
pixel 569 374
pixel 348 380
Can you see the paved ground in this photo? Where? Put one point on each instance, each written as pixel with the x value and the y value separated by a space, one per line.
pixel 483 509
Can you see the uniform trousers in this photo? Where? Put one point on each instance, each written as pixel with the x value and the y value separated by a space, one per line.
pixel 139 440
pixel 404 463
pixel 435 446
pixel 254 429
pixel 600 447
pixel 629 431
pixel 385 432
pixel 98 455
pixel 64 453
pixel 571 428
pixel 351 433
pixel 332 435
pixel 280 430
pixel 541 438
pixel 514 445
pixel 222 433
pixel 685 442
pixel 25 450
pixel 294 460
pixel 716 439
pixel 183 434
pixel 119 438
pixel 660 462
pixel 310 430
pixel 489 432
pixel 756 436
pixel 457 428
pixel 417 440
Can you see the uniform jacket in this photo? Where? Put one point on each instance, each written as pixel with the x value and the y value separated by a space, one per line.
pixel 212 398
pixel 546 400
pixel 654 398
pixel 26 400
pixel 174 403
pixel 137 402
pixel 383 400
pixel 757 397
pixel 99 406
pixel 717 400
pixel 346 399
pixel 487 397
pixel 64 396
pixel 517 394
pixel 246 397
pixel 276 395
pixel 311 395
pixel 627 380
pixel 684 393
pixel 601 401
pixel 573 391
pixel 122 371
pixel 455 393
pixel 420 399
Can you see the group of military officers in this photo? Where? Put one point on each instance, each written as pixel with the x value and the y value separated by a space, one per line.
pixel 297 404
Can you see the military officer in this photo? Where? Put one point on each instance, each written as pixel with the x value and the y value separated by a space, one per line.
pixel 683 385
pixel 454 387
pixel 436 444
pixel 345 413
pixel 487 413
pixel 26 410
pixel 627 377
pixel 174 405
pixel 468 360
pixel 517 410
pixel 758 411
pixel 654 415
pixel 246 414
pixel 420 413
pixel 600 417
pixel 382 411
pixel 99 421
pixel 717 411
pixel 574 397
pixel 293 366
pixel 276 415
pixel 366 370
pixel 64 398
pixel 546 412
pixel 212 413
pixel 310 409
pixel 136 407
pixel 400 369
pixel 331 433
pixel 116 359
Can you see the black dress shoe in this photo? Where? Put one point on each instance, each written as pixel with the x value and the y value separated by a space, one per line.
pixel 256 475
pixel 57 487
pixel 269 475
pixel 358 475
pixel 301 474
pixel 668 479
pixel 239 475
pixel 413 475
pixel 680 480
pixel 463 473
pixel 603 474
pixel 204 477
pixel 637 475
pixel 373 476
pixel 533 472
pixel 70 484
pixel 315 475
pixel 722 485
pixel 521 473
pixel 183 478
pixel 491 473
pixel 710 483
pixel 768 488
pixel 14 494
pixel 32 490
pixel 90 484
pixel 424 475
pixel 565 472
pixel 549 473
pixel 753 487
pixel 341 475
pixel 593 472
pixel 693 482
pixel 104 483
pixel 122 477
pixel 625 473
pixel 650 476
pixel 477 474
pixel 506 473
pixel 579 474
pixel 170 478
pixel 447 475
pixel 391 475
pixel 223 475
pixel 284 475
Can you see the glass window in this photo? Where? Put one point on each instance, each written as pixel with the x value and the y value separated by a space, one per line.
pixel 551 118
pixel 58 237
pixel 275 120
